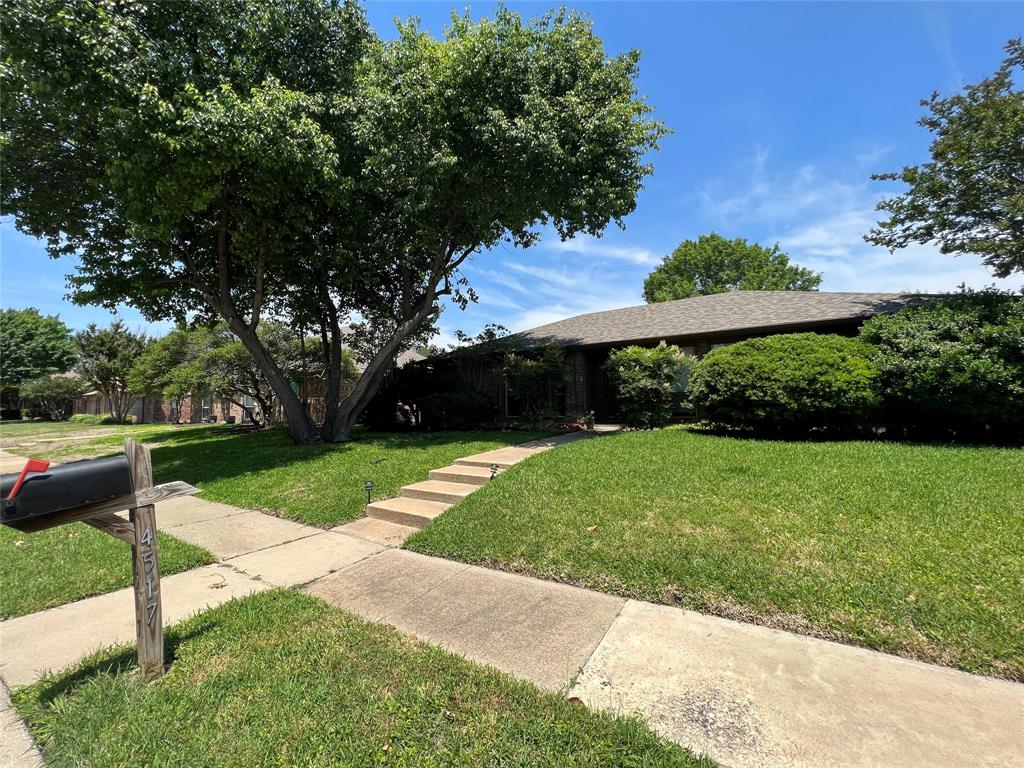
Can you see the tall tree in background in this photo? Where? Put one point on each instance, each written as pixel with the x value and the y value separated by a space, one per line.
pixel 244 158
pixel 713 264
pixel 33 345
pixel 970 198
pixel 106 357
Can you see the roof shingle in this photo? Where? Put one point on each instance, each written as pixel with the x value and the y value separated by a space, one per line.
pixel 736 311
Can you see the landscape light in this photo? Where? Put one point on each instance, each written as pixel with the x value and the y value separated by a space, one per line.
pixel 368 485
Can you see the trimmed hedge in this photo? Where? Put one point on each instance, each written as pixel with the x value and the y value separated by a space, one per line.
pixel 956 364
pixel 788 382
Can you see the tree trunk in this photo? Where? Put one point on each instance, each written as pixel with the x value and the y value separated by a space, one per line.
pixel 370 381
pixel 333 393
pixel 300 426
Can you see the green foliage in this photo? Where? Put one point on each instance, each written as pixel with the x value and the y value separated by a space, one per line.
pixel 534 381
pixel 649 382
pixel 33 345
pixel 53 394
pixel 89 419
pixel 222 158
pixel 967 199
pixel 795 381
pixel 956 363
pixel 713 264
pixel 106 357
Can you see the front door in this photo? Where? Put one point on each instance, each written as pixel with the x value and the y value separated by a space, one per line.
pixel 601 396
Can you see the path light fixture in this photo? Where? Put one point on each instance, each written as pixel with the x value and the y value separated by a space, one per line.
pixel 368 485
pixel 494 470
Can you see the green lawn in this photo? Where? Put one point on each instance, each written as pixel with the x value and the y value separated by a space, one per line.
pixel 916 550
pixel 318 484
pixel 282 679
pixel 53 567
pixel 14 433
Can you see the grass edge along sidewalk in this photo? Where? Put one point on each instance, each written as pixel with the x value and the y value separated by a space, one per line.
pixel 909 549
pixel 320 484
pixel 280 676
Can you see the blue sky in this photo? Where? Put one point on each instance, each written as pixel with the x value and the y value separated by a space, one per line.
pixel 780 113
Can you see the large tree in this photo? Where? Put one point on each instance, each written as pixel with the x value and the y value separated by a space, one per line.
pixel 969 199
pixel 714 264
pixel 106 357
pixel 33 345
pixel 251 158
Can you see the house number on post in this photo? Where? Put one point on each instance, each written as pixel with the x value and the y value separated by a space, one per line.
pixel 93 492
pixel 149 631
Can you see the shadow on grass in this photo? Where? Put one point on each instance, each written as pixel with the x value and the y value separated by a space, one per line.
pixel 223 453
pixel 117 662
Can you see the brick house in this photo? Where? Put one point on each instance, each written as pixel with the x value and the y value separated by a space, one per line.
pixel 202 407
pixel 696 325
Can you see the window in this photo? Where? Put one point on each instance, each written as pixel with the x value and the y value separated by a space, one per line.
pixel 206 407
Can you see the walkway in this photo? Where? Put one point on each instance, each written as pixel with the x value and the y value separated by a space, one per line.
pixel 419 503
pixel 746 695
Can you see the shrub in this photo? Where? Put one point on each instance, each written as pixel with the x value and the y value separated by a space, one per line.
pixel 87 418
pixel 649 382
pixel 957 363
pixel 787 382
pixel 535 381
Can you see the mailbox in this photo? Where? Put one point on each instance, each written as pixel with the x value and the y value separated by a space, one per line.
pixel 51 490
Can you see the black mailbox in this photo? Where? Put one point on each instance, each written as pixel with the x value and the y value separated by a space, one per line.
pixel 62 488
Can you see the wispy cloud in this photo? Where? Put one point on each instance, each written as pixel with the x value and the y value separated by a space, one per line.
pixel 820 219
pixel 586 245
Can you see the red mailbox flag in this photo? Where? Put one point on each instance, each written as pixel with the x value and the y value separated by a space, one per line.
pixel 32 465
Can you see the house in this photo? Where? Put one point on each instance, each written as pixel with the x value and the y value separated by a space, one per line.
pixel 697 325
pixel 203 407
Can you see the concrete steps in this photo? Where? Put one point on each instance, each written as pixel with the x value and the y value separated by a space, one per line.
pixel 503 457
pixel 405 510
pixel 462 473
pixel 438 490
pixel 419 503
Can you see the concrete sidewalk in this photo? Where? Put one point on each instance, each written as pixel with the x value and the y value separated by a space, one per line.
pixel 745 695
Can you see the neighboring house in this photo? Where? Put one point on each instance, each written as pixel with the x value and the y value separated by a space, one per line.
pixel 146 409
pixel 202 407
pixel 697 325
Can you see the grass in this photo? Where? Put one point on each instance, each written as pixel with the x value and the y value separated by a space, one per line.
pixel 319 484
pixel 910 549
pixel 49 568
pixel 22 432
pixel 281 679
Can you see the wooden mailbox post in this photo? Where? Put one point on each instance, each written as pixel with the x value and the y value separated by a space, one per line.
pixel 139 530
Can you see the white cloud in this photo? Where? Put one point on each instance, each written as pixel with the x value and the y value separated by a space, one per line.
pixel 820 220
pixel 586 245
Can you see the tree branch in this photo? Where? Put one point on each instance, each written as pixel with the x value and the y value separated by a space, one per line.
pixel 261 265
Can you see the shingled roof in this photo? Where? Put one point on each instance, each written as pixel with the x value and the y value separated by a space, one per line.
pixel 720 313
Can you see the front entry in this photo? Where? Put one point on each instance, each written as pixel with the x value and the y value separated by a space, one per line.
pixel 601 396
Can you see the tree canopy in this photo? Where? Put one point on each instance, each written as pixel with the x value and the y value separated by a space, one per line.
pixel 106 357
pixel 713 264
pixel 52 394
pixel 33 345
pixel 968 199
pixel 246 159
